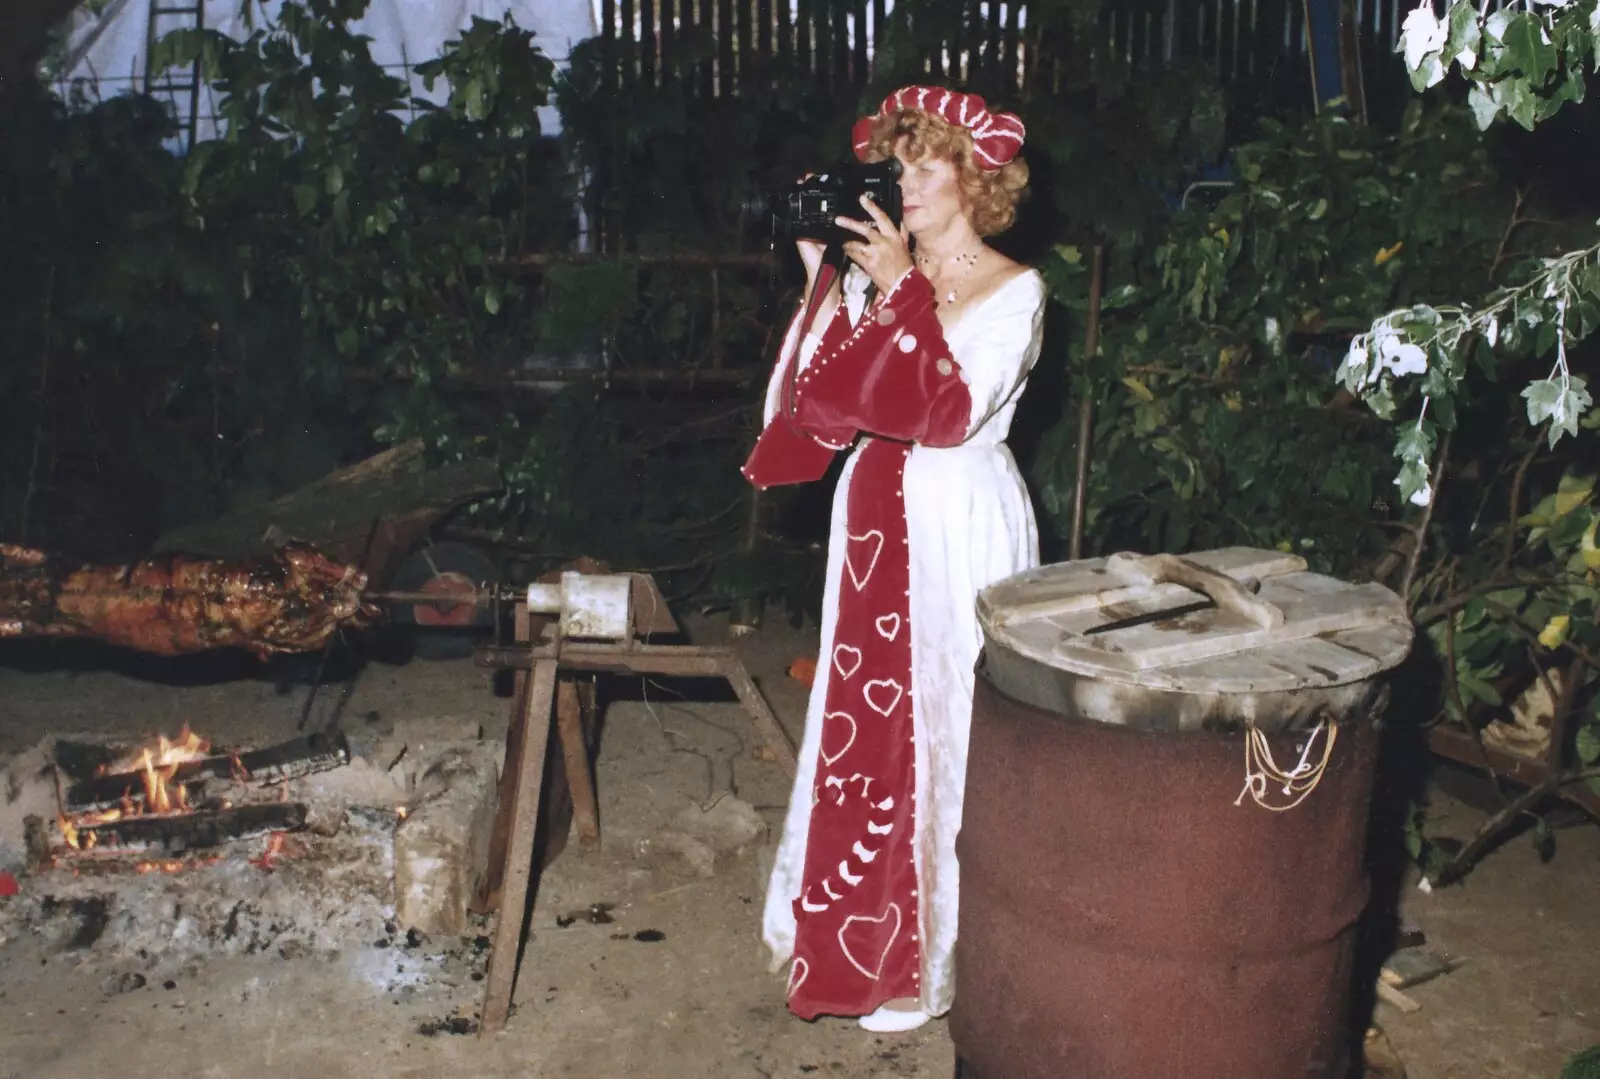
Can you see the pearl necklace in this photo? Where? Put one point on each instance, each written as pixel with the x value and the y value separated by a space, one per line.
pixel 966 262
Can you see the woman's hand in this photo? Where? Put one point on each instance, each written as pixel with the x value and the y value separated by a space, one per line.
pixel 883 251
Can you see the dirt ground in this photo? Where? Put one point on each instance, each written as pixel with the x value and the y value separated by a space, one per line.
pixel 593 999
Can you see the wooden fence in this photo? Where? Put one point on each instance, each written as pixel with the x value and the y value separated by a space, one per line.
pixel 719 47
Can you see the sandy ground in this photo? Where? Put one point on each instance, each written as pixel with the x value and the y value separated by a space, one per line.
pixel 699 1002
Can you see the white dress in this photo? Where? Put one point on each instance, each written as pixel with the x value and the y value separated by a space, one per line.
pixel 968 523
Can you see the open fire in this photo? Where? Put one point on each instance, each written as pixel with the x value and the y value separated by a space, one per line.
pixel 176 797
pixel 178 849
pixel 154 769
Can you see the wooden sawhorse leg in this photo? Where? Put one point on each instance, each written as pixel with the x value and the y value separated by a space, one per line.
pixel 528 744
pixel 519 849
pixel 570 710
pixel 731 667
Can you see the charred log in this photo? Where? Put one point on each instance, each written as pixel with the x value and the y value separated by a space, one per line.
pixel 305 756
pixel 292 600
pixel 80 760
pixel 184 832
pixel 275 764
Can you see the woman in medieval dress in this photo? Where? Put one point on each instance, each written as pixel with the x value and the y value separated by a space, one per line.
pixel 922 378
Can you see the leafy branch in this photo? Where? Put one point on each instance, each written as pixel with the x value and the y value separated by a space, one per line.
pixel 1522 64
pixel 1556 305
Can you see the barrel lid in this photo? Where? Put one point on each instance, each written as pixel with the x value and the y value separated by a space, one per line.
pixel 1232 620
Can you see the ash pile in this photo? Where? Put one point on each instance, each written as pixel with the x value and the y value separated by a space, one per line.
pixel 175 850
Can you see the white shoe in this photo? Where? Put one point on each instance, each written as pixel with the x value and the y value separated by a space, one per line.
pixel 887 1020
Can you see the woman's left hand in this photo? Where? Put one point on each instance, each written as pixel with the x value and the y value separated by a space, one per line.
pixel 883 251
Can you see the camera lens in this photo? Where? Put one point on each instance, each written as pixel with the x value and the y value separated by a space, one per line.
pixel 756 205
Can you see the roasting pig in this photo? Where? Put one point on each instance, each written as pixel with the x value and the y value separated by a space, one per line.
pixel 292 600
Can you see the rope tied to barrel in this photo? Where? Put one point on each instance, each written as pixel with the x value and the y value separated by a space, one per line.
pixel 1262 773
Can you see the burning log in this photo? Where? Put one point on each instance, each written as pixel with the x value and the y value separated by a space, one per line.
pixel 292 600
pixel 275 764
pixel 183 832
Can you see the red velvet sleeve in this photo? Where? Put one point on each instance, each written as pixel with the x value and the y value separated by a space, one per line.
pixel 786 452
pixel 894 376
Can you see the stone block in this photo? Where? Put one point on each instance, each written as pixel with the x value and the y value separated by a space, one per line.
pixel 441 849
pixel 27 789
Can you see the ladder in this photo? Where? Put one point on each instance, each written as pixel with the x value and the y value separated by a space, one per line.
pixel 180 88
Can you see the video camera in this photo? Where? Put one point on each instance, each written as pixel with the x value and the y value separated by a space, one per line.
pixel 806 211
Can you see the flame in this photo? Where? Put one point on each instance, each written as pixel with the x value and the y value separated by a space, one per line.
pixel 156 767
pixel 188 746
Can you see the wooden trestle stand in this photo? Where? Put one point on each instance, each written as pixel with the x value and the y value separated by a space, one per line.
pixel 540 689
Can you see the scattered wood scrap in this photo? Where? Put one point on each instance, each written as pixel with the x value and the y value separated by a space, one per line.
pixel 1406 968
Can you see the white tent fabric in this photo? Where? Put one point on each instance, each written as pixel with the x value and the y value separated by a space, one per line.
pixel 107 54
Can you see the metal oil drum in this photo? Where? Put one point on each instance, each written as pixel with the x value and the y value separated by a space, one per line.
pixel 1162 849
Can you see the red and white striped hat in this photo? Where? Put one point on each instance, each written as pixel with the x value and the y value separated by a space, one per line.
pixel 996 136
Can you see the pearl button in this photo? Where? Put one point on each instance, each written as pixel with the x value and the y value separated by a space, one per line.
pixel 908 343
pixel 945 366
pixel 886 316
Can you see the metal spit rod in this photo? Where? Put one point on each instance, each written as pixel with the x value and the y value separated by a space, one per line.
pixel 480 597
pixel 595 606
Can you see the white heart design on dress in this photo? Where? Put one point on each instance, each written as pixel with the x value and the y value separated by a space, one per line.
pixel 885 687
pixel 875 539
pixel 877 970
pixel 799 970
pixel 846 653
pixel 828 726
pixel 888 626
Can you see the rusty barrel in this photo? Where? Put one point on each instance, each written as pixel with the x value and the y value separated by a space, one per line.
pixel 1162 847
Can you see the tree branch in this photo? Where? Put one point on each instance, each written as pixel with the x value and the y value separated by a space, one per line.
pixel 1531 632
pixel 1516 222
pixel 1516 504
pixel 1428 615
pixel 1457 867
pixel 1427 519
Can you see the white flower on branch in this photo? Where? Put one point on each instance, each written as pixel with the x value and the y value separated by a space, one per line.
pixel 1423 496
pixel 1354 372
pixel 1401 358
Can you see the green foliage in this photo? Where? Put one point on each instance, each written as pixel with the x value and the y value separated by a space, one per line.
pixel 345 264
pixel 1584 1065
pixel 1526 615
pixel 1522 64
pixel 1525 65
pixel 1214 423
pixel 377 232
pixel 1557 304
pixel 137 380
pixel 1507 603
pixel 1214 340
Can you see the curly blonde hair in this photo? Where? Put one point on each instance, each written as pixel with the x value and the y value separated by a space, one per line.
pixel 991 195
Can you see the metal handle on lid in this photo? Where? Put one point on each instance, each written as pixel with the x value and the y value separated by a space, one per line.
pixel 1221 589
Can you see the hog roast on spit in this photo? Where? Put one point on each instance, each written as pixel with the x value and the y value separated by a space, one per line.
pixel 292 600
